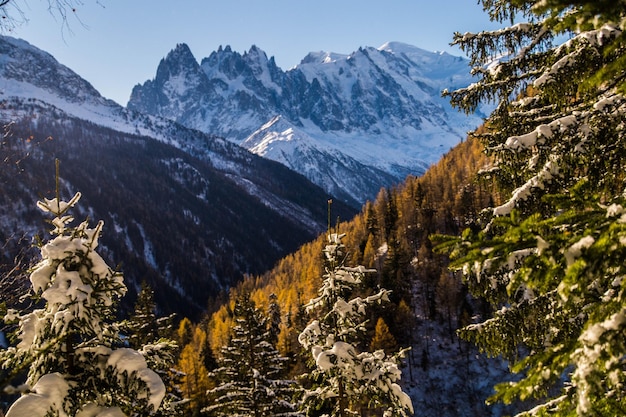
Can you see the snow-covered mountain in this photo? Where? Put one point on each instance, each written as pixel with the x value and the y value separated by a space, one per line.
pixel 350 123
pixel 189 212
pixel 28 73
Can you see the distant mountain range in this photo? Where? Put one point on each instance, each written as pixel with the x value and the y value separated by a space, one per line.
pixel 349 123
pixel 188 212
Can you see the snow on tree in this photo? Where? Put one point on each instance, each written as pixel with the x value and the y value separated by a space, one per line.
pixel 550 258
pixel 77 363
pixel 345 379
pixel 250 376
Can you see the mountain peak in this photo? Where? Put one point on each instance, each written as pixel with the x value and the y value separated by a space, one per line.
pixel 25 63
pixel 180 58
pixel 375 113
pixel 255 50
pixel 256 55
pixel 424 57
pixel 224 60
pixel 400 47
pixel 181 50
pixel 178 77
pixel 323 57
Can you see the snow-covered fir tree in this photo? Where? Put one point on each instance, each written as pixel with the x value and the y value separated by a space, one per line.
pixel 346 380
pixel 77 362
pixel 550 257
pixel 250 377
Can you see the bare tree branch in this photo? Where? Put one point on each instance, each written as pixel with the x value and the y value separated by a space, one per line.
pixel 12 14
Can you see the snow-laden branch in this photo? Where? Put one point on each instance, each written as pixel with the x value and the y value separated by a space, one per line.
pixel 598 359
pixel 549 171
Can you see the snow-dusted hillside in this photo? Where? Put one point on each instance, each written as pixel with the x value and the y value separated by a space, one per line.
pixel 350 123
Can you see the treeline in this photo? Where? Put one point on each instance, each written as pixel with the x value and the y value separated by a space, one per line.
pixel 390 235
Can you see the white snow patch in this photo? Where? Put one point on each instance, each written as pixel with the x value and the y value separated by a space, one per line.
pixel 48 393
pixel 575 251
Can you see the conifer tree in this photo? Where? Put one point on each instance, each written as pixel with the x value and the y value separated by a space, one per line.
pixel 250 376
pixel 274 319
pixel 195 379
pixel 369 252
pixel 550 259
pixel 185 332
pixel 144 326
pixel 75 357
pixel 344 379
pixel 144 330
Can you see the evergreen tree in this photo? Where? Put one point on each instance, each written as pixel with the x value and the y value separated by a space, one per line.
pixel 369 252
pixel 345 379
pixel 250 373
pixel 371 219
pixel 143 326
pixel 551 258
pixel 274 319
pixel 145 330
pixel 75 357
pixel 391 214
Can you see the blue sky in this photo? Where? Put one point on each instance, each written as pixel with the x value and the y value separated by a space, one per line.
pixel 119 43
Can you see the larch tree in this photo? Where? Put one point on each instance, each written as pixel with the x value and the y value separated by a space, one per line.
pixel 194 381
pixel 550 258
pixel 344 379
pixel 250 375
pixel 76 360
pixel 383 339
pixel 184 333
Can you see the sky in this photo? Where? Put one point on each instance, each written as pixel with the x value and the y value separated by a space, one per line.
pixel 116 44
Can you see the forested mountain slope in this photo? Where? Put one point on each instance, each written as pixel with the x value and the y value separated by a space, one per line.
pixel 178 222
pixel 444 375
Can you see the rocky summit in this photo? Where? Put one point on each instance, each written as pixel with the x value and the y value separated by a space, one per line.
pixel 350 123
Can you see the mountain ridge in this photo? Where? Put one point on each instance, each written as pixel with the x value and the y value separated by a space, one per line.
pixel 376 108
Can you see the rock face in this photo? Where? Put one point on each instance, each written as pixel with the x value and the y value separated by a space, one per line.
pixel 350 123
pixel 188 212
